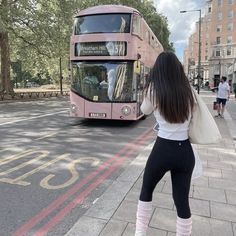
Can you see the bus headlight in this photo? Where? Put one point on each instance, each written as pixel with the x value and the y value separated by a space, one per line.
pixel 73 108
pixel 126 110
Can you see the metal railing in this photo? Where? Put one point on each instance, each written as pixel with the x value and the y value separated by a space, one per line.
pixel 32 94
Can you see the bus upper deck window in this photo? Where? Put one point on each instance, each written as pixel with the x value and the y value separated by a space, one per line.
pixel 103 23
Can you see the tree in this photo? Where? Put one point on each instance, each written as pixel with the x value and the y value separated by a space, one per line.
pixel 37 32
pixel 5 84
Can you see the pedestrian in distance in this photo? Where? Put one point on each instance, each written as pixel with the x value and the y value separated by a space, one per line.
pixel 223 95
pixel 169 96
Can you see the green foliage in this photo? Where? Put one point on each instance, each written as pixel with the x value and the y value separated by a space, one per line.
pixel 39 30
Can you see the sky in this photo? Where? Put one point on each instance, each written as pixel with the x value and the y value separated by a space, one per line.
pixel 181 25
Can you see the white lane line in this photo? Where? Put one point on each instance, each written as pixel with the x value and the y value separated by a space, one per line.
pixel 47 136
pixel 35 117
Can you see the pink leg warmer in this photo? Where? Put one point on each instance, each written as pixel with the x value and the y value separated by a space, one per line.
pixel 143 216
pixel 183 227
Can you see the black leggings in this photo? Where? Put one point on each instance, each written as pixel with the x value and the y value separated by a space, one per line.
pixel 178 158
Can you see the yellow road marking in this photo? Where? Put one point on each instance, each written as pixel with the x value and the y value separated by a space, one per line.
pixel 43 155
pixel 19 179
pixel 45 181
pixel 15 157
pixel 71 167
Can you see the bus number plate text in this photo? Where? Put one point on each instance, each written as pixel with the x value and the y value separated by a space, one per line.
pixel 97 115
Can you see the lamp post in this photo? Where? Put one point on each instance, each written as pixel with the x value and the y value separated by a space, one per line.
pixel 199 47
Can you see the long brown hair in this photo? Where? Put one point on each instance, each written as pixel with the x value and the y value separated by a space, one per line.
pixel 170 89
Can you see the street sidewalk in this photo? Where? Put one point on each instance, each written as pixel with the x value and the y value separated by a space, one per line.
pixel 212 196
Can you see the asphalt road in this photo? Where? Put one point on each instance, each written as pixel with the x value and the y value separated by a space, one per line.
pixel 53 167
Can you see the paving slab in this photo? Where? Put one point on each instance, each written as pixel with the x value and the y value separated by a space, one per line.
pixel 203 226
pixel 126 211
pixel 163 200
pixel 225 184
pixel 87 226
pixel 171 234
pixel 231 197
pixel 203 181
pixel 211 194
pixel 223 211
pixel 164 219
pixel 200 207
pixel 234 228
pixel 227 174
pixel 130 230
pixel 212 172
pixel 109 201
pixel 114 228
pixel 221 165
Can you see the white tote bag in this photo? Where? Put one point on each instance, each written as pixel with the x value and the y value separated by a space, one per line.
pixel 203 128
pixel 197 170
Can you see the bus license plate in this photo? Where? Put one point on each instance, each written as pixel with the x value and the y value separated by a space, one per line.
pixel 97 115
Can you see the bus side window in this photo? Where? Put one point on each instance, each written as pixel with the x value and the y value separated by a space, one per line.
pixel 147 36
pixel 136 27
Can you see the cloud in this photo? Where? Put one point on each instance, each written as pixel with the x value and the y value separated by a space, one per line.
pixel 181 25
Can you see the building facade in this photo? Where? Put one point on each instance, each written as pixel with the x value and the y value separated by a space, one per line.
pixel 218 44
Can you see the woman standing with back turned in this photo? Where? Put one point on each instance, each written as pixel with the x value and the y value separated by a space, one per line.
pixel 169 96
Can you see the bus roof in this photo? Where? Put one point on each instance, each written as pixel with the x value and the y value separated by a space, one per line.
pixel 101 9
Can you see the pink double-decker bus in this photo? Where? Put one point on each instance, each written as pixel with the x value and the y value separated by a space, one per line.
pixel 111 52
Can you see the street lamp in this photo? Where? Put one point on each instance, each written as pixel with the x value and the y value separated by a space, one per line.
pixel 199 48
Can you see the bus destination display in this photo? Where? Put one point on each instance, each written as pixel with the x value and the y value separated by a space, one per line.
pixel 112 48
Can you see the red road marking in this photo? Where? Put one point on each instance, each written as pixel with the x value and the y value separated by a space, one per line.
pixel 76 201
pixel 49 209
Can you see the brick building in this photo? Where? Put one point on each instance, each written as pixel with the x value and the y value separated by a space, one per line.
pixel 218 43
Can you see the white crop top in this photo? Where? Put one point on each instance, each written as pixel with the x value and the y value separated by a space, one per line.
pixel 172 131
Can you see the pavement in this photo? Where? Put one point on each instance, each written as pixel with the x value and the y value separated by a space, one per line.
pixel 212 196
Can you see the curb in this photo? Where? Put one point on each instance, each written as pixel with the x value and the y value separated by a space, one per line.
pixel 99 214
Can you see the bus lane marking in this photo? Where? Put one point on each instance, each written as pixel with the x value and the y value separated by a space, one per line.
pixel 44 183
pixel 41 156
pixel 15 156
pixel 73 190
pixel 19 179
pixel 66 210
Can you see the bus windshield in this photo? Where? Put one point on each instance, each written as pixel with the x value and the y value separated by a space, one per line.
pixel 104 81
pixel 103 23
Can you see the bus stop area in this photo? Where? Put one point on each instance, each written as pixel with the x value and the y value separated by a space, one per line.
pixel 212 196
